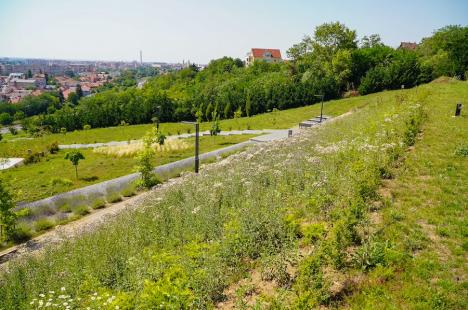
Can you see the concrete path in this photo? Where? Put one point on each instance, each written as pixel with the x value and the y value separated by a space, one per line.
pixel 184 135
pixel 6 163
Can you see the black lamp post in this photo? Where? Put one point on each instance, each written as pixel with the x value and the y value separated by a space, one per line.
pixel 321 106
pixel 197 144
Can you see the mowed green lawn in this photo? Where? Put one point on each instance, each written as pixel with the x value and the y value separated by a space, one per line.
pixel 36 181
pixel 18 146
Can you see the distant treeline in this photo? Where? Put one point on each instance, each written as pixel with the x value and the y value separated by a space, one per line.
pixel 332 63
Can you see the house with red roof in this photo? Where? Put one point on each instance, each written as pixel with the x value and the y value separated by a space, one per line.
pixel 263 54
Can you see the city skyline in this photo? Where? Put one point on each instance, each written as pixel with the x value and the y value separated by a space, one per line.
pixel 201 30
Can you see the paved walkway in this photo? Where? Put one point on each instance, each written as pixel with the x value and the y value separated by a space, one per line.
pixel 184 135
pixel 6 163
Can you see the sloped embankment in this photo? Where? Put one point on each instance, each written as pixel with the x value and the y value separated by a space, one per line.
pixel 295 215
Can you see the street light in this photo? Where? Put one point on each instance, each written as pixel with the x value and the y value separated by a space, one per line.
pixel 321 106
pixel 197 143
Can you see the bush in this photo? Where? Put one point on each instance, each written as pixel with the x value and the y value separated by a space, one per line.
pixel 370 255
pixel 65 208
pixel 5 118
pixel 61 181
pixel 21 234
pixel 129 191
pixel 313 232
pixel 13 130
pixel 33 158
pixel 113 198
pixel 98 203
pixel 53 148
pixel 81 210
pixel 43 224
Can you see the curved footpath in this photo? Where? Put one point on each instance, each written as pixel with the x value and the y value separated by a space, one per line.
pixel 279 132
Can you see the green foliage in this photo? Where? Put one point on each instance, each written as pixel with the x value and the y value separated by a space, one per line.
pixel 33 158
pixel 170 291
pixel 65 208
pixel 21 234
pixel 81 210
pixel 7 215
pixel 144 159
pixel 53 148
pixel 74 157
pixel 129 191
pixel 215 129
pixel 43 224
pixel 61 181
pixel 5 119
pixel 371 254
pixel 113 197
pixel 462 151
pixel 98 204
pixel 13 131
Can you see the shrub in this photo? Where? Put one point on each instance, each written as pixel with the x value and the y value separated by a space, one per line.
pixel 462 151
pixel 21 234
pixel 86 127
pixel 65 208
pixel 81 210
pixel 313 232
pixel 129 191
pixel 61 181
pixel 13 130
pixel 370 255
pixel 99 203
pixel 33 158
pixel 43 224
pixel 53 148
pixel 113 198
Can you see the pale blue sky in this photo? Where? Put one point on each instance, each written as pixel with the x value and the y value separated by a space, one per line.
pixel 174 30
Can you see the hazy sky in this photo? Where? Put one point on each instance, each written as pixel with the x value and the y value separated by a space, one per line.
pixel 201 30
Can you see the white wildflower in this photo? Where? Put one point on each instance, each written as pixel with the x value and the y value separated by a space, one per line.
pixel 195 211
pixel 62 288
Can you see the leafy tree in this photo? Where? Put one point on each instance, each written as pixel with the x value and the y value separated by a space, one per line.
pixel 215 128
pixel 144 159
pixel 5 119
pixel 75 157
pixel 19 116
pixel 446 51
pixel 73 98
pixel 7 215
pixel 371 41
pixel 29 74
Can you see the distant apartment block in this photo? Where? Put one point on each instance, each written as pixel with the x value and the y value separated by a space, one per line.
pixel 263 54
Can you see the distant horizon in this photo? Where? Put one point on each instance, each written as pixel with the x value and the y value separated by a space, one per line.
pixel 200 31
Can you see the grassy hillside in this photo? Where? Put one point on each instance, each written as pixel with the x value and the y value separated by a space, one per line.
pixel 55 174
pixel 299 224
